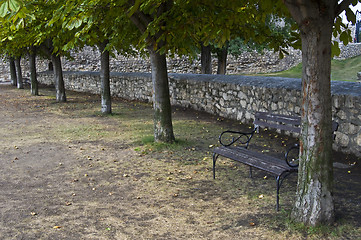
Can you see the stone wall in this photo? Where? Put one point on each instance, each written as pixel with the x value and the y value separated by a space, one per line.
pixel 88 59
pixel 235 97
pixel 349 51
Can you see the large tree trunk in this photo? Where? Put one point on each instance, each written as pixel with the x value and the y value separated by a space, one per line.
pixel 206 60
pixel 163 128
pixel 13 76
pixel 19 74
pixel 222 60
pixel 33 77
pixel 314 197
pixel 58 78
pixel 105 79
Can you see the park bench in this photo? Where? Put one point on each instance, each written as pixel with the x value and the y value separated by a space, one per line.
pixel 235 147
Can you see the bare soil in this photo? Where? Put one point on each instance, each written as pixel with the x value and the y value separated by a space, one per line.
pixel 68 172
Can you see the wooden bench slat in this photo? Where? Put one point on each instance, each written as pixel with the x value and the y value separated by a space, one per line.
pixel 260 161
pixel 278 117
pixel 278 126
pixel 277 121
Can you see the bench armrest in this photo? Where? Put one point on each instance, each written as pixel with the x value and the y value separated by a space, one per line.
pixel 227 138
pixel 292 155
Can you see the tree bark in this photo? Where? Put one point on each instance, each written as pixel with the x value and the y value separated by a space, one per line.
pixel 222 60
pixel 106 107
pixel 13 76
pixel 19 74
pixel 50 66
pixel 206 59
pixel 163 128
pixel 314 197
pixel 58 78
pixel 33 78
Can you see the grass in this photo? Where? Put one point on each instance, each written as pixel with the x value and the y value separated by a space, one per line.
pixel 174 181
pixel 342 70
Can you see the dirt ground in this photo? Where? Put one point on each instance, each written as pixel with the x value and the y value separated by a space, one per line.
pixel 67 172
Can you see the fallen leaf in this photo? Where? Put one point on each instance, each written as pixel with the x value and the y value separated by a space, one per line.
pixel 33 213
pixel 57 227
pixel 260 196
pixel 252 224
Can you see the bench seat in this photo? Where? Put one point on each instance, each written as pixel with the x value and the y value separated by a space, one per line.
pixel 267 163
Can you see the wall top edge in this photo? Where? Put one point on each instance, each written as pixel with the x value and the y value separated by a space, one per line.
pixel 337 87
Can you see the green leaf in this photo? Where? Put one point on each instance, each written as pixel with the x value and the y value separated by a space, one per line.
pixel 14 5
pixel 134 8
pixel 4 9
pixel 344 38
pixel 335 49
pixel 350 15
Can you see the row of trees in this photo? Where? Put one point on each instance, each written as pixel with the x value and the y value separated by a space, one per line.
pixel 165 27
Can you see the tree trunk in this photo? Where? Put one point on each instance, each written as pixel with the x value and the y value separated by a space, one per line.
pixel 163 128
pixel 206 60
pixel 50 66
pixel 19 75
pixel 58 78
pixel 222 60
pixel 13 76
pixel 105 79
pixel 314 197
pixel 33 77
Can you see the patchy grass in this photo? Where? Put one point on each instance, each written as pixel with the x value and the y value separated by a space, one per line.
pixel 341 70
pixel 104 176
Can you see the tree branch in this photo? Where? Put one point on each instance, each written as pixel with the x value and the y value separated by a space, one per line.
pixel 342 6
pixel 140 19
pixel 138 23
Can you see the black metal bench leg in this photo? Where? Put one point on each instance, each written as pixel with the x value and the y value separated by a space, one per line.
pixel 278 193
pixel 250 172
pixel 215 156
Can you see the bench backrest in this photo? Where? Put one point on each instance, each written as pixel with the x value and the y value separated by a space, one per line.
pixel 282 122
